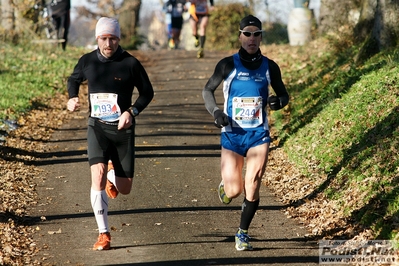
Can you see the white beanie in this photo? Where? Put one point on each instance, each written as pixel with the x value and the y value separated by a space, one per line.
pixel 108 26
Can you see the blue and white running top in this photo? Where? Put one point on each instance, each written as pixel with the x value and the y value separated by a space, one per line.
pixel 245 92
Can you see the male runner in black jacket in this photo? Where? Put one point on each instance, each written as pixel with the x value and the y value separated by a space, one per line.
pixel 112 74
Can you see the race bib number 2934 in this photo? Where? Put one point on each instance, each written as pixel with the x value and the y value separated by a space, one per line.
pixel 105 106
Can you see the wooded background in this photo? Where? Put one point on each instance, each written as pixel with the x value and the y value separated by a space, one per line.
pixel 372 23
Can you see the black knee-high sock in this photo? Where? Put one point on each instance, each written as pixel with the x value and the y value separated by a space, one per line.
pixel 248 211
pixel 202 41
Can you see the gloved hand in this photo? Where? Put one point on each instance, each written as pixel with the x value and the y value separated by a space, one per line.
pixel 221 119
pixel 274 102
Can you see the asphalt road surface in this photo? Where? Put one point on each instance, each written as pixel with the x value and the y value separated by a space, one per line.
pixel 173 215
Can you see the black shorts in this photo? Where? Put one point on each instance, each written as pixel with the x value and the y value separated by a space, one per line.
pixel 199 16
pixel 105 142
pixel 177 23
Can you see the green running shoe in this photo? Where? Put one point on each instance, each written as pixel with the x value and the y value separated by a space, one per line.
pixel 242 240
pixel 200 53
pixel 196 42
pixel 222 195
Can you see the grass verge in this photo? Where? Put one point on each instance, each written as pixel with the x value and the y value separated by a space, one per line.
pixel 30 75
pixel 343 135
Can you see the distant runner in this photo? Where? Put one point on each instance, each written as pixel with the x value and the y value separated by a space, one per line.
pixel 175 9
pixel 199 17
pixel 60 12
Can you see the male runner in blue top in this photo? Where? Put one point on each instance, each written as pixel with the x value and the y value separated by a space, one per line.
pixel 245 130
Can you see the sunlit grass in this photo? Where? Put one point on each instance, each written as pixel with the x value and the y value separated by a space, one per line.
pixel 32 74
pixel 343 125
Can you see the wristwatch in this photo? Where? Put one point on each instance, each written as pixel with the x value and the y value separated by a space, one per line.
pixel 133 111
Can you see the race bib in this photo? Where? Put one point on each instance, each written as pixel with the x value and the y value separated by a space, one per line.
pixel 201 7
pixel 247 112
pixel 177 10
pixel 105 106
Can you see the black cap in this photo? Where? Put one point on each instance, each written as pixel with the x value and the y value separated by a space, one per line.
pixel 250 21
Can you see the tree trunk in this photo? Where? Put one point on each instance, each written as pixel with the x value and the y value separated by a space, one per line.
pixel 372 23
pixel 7 16
pixel 336 14
pixel 366 20
pixel 386 25
pixel 378 27
pixel 129 19
pixel 251 4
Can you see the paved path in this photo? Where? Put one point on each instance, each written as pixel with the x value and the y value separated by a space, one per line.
pixel 172 216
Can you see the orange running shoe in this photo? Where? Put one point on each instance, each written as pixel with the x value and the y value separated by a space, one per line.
pixel 110 166
pixel 110 188
pixel 103 242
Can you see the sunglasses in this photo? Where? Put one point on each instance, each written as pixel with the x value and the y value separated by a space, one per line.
pixel 250 33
